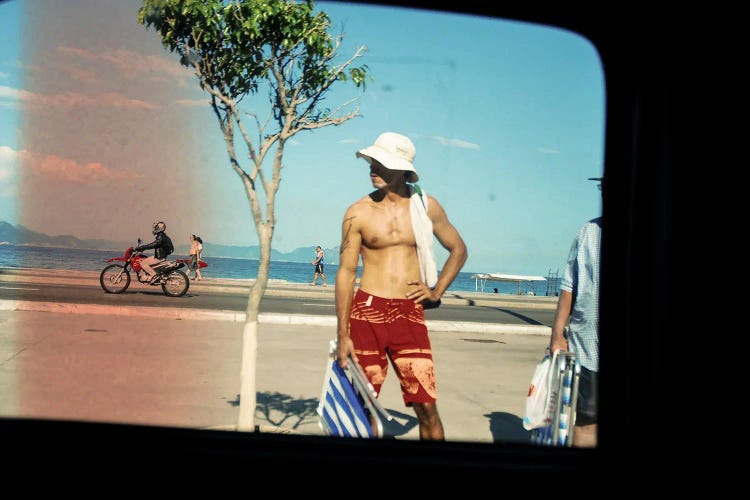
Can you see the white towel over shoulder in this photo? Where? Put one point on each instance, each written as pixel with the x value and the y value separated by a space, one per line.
pixel 422 226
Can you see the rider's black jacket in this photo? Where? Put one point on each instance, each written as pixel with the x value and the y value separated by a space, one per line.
pixel 160 245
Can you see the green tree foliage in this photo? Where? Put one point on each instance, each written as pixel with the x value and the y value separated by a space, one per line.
pixel 240 48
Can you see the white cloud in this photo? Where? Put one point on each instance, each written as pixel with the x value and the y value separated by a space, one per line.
pixel 193 102
pixel 549 151
pixel 52 167
pixel 15 94
pixel 71 99
pixel 132 64
pixel 456 143
pixel 6 152
pixel 90 67
pixel 7 163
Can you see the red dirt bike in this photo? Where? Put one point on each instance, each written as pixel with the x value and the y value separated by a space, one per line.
pixel 115 278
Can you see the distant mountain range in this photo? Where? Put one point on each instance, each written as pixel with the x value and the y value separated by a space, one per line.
pixel 20 235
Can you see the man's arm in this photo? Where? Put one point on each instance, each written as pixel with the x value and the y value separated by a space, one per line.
pixel 351 243
pixel 147 246
pixel 562 317
pixel 566 301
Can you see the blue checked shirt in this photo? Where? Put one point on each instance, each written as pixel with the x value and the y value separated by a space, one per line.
pixel 581 278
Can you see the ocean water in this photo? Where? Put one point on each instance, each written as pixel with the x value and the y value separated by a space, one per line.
pixel 22 256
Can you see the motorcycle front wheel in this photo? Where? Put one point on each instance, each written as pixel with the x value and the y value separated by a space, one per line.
pixel 176 284
pixel 114 278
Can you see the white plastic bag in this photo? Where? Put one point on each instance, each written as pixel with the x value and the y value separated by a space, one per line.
pixel 537 399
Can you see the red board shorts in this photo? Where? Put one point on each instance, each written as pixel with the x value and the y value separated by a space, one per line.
pixel 394 329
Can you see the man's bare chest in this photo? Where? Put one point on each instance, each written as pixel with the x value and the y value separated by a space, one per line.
pixel 385 227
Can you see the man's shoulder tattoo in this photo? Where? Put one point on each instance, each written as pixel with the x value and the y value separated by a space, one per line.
pixel 348 223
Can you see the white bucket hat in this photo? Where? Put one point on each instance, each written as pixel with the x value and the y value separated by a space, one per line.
pixel 393 151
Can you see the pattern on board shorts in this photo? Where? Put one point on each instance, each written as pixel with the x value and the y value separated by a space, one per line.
pixel 394 329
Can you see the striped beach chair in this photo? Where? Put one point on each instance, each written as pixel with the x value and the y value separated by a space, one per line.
pixel 565 374
pixel 348 405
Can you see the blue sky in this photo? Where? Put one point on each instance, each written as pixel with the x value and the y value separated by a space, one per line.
pixel 102 132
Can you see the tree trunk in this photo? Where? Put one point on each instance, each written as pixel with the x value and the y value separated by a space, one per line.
pixel 246 419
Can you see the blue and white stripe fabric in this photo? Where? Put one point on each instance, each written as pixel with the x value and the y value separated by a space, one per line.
pixel 341 410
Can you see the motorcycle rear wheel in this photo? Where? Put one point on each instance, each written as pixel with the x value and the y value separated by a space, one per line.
pixel 114 278
pixel 176 284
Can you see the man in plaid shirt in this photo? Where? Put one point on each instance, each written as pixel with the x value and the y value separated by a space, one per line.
pixel 576 325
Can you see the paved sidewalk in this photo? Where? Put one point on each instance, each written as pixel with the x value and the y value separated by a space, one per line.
pixel 186 373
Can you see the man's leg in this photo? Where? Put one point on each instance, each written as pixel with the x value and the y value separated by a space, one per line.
pixel 367 337
pixel 584 433
pixel 146 265
pixel 411 356
pixel 584 436
pixel 315 279
pixel 430 425
pixel 323 276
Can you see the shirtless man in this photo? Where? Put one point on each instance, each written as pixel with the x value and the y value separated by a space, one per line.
pixel 318 263
pixel 384 319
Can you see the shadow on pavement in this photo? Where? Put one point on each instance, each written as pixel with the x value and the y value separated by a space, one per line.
pixel 401 424
pixel 277 409
pixel 523 317
pixel 507 428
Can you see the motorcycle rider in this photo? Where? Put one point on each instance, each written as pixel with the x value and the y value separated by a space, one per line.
pixel 162 246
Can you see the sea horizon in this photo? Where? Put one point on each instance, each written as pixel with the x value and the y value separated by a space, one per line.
pixel 62 258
